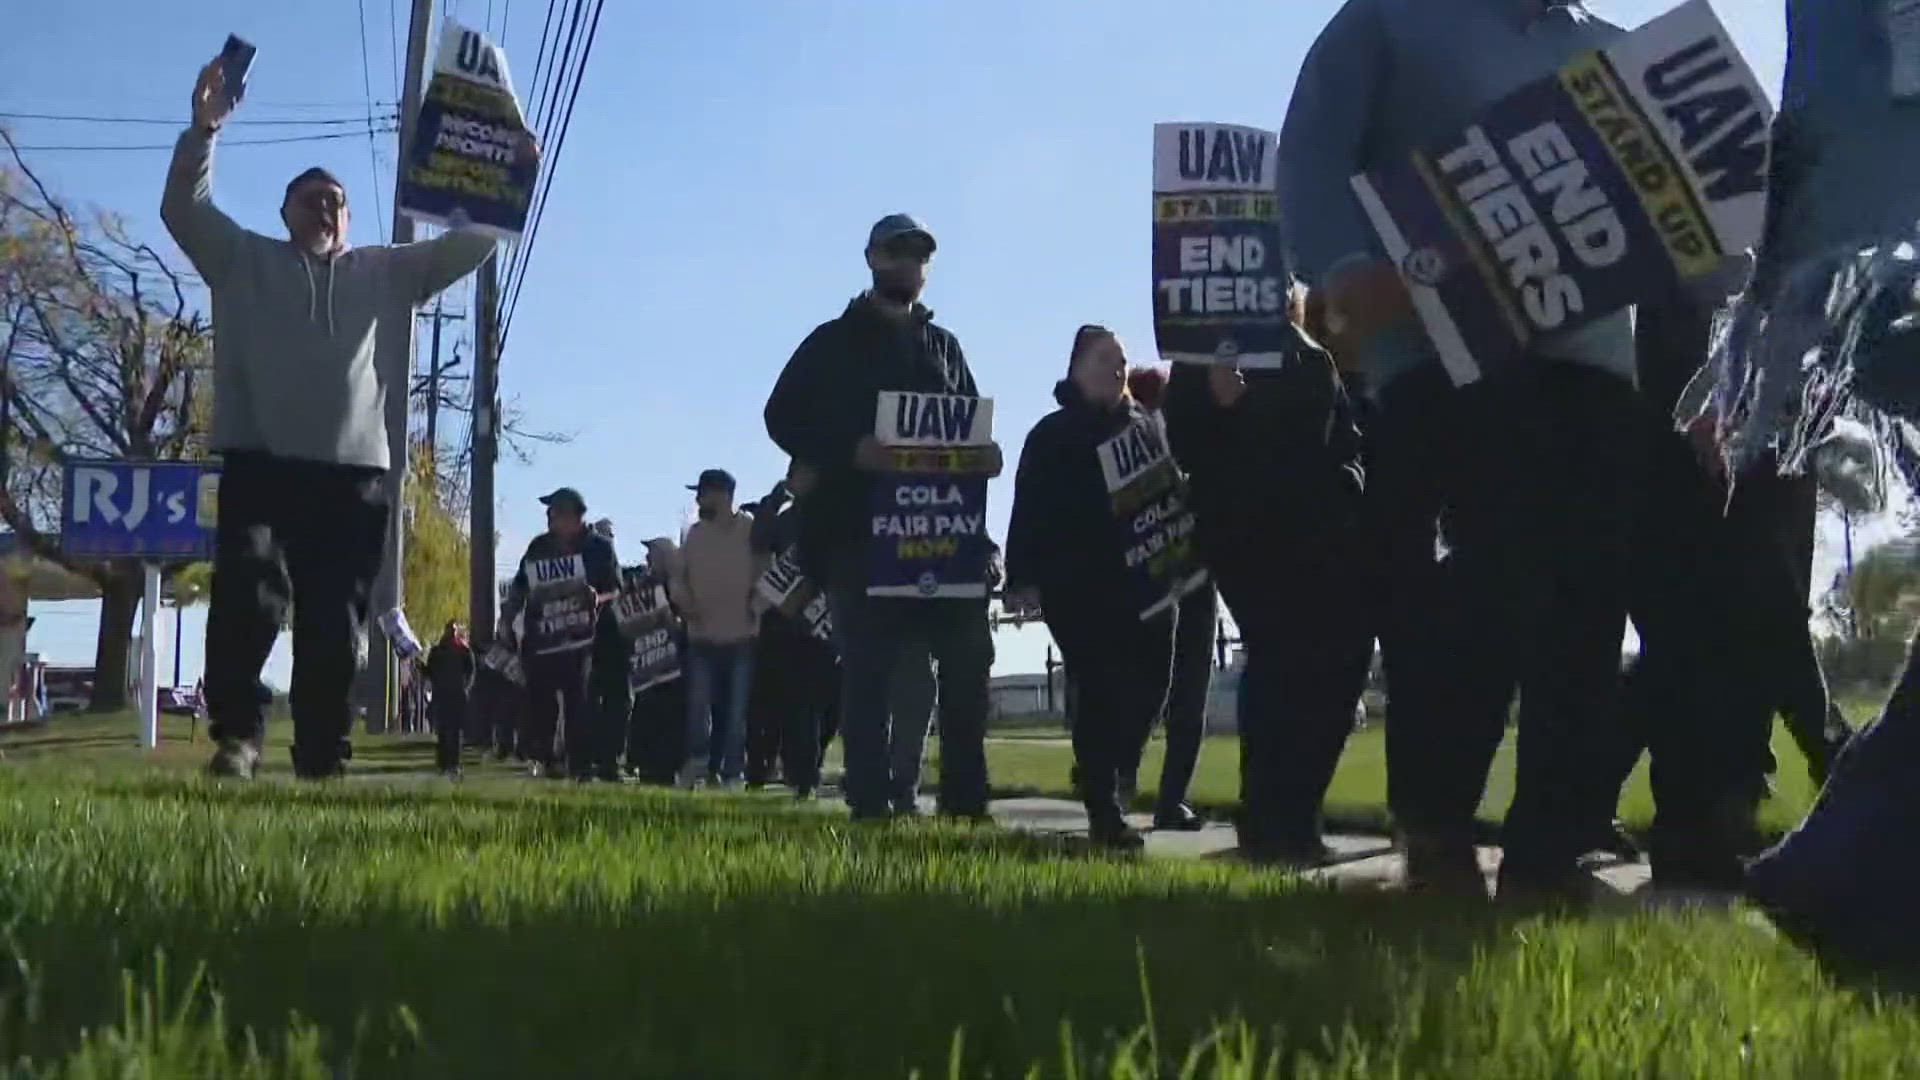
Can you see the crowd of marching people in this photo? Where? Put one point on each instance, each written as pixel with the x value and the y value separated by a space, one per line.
pixel 1492 540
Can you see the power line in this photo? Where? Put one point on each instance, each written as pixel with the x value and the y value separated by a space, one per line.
pixel 546 110
pixel 393 46
pixel 228 143
pixel 373 150
pixel 566 122
pixel 175 121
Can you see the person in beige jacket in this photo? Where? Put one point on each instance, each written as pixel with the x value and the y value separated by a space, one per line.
pixel 712 589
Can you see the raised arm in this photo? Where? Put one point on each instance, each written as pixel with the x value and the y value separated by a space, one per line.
pixel 420 270
pixel 207 235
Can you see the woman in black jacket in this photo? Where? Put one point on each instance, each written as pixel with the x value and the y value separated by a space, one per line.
pixel 1066 554
pixel 1274 478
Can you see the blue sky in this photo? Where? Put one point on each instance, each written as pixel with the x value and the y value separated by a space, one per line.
pixel 724 163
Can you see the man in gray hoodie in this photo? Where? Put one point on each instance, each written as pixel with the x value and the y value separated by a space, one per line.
pixel 300 420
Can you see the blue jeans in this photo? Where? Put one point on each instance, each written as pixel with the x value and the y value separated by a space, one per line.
pixel 718 675
pixel 874 635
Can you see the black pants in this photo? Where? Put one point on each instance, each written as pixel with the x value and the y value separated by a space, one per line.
pixel 449 729
pixel 1720 606
pixel 505 705
pixel 307 536
pixel 557 685
pixel 1192 679
pixel 1540 470
pixel 1774 518
pixel 611 709
pixel 1119 667
pixel 657 732
pixel 1307 630
pixel 790 716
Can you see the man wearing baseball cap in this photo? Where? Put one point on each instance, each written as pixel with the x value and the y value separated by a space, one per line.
pixel 567 575
pixel 712 589
pixel 821 413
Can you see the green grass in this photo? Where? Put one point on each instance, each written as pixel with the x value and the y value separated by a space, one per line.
pixel 1031 764
pixel 160 925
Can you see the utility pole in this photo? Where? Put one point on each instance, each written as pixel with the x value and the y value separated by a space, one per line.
pixel 394 349
pixel 435 370
pixel 486 450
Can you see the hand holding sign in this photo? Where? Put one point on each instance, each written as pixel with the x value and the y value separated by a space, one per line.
pixel 1363 300
pixel 212 103
pixel 1227 385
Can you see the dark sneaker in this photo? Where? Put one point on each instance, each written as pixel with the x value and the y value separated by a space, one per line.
pixel 307 767
pixel 1614 841
pixel 1114 834
pixel 804 795
pixel 1180 818
pixel 237 759
pixel 454 774
pixel 1565 885
pixel 1309 853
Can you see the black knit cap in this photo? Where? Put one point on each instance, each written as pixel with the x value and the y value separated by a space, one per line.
pixel 315 173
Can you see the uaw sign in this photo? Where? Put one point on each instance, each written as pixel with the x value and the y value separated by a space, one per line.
pixel 929 515
pixel 469 143
pixel 1154 524
pixel 1220 275
pixel 785 588
pixel 1633 170
pixel 161 510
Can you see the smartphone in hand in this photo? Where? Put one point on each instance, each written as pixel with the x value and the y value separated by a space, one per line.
pixel 236 59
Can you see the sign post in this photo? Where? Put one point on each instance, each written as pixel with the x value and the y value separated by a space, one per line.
pixel 149 656
pixel 154 511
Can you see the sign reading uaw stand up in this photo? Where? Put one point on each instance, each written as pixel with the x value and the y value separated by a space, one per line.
pixel 1220 274
pixel 469 149
pixel 930 513
pixel 1632 170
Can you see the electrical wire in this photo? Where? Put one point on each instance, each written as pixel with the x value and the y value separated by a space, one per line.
pixel 393 46
pixel 546 111
pixel 175 122
pixel 566 122
pixel 228 143
pixel 373 149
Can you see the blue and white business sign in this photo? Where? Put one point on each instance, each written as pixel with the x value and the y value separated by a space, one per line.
pixel 139 509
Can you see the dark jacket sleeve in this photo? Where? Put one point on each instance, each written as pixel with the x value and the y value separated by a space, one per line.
pixel 772 525
pixel 806 415
pixel 517 589
pixel 957 359
pixel 1028 552
pixel 603 565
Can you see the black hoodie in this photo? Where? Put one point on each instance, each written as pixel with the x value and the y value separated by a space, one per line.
pixel 1063 540
pixel 555 585
pixel 1281 467
pixel 825 402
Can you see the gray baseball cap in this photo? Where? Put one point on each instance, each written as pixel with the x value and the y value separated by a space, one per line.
pixel 898 225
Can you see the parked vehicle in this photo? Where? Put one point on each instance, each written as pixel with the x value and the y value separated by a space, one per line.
pixel 69 689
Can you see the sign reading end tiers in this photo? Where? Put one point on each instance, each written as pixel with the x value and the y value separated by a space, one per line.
pixel 1220 274
pixel 1632 171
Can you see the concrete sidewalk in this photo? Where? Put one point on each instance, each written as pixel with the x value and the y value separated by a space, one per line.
pixel 1361 861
